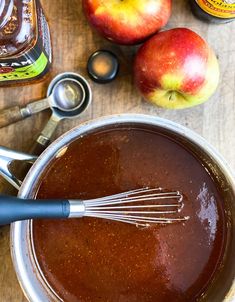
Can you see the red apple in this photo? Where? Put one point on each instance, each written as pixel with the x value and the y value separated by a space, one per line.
pixel 127 21
pixel 176 69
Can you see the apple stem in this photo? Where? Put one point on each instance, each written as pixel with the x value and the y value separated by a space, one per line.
pixel 172 95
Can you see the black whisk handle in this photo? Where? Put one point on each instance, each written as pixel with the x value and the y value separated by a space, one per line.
pixel 13 209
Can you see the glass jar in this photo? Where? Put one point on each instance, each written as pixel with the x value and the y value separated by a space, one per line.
pixel 214 11
pixel 25 46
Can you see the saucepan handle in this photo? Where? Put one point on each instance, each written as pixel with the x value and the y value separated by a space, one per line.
pixel 7 156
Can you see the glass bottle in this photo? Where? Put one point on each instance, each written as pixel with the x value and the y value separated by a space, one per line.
pixel 25 46
pixel 214 11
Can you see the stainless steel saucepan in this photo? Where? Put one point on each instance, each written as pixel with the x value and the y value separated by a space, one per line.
pixel 33 283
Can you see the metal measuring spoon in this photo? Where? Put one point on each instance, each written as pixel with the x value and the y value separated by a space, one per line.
pixel 66 95
pixel 72 96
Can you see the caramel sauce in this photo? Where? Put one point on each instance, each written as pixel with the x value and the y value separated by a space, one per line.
pixel 88 259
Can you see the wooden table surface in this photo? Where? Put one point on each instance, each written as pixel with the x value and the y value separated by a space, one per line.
pixel 73 41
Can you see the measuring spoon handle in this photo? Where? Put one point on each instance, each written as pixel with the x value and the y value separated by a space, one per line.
pixel 10 115
pixel 44 138
pixel 14 114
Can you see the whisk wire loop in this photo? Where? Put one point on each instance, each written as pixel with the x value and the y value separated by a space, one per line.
pixel 153 205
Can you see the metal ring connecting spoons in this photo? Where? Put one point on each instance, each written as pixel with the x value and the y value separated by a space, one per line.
pixel 66 92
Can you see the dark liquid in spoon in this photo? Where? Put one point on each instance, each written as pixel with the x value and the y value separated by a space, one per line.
pixel 95 260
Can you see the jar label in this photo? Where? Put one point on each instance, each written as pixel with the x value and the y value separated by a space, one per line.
pixel 23 70
pixel 218 8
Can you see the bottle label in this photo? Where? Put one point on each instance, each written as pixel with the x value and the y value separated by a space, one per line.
pixel 23 70
pixel 33 63
pixel 218 8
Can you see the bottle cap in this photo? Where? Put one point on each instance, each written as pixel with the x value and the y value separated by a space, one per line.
pixel 102 66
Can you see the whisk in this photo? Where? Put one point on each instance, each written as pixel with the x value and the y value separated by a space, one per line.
pixel 141 207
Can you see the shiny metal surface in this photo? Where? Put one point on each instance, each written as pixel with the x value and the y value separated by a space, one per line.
pixel 68 94
pixel 77 208
pixel 7 156
pixel 35 107
pixel 32 281
pixel 122 207
pixel 72 97
pixel 125 207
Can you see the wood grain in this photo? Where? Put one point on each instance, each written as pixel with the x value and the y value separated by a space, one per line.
pixel 73 42
pixel 9 116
